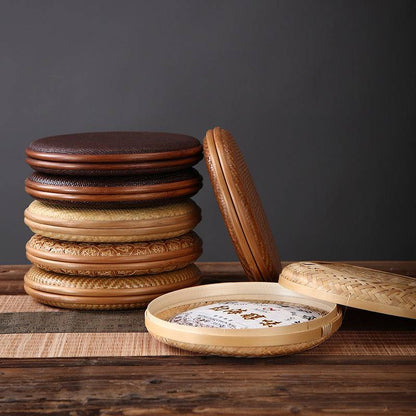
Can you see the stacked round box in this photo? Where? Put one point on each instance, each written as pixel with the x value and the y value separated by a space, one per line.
pixel 112 218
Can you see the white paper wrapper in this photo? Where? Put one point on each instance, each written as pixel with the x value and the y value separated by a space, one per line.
pixel 244 315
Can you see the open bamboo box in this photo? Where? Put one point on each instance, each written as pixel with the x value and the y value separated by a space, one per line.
pixel 263 317
pixel 254 341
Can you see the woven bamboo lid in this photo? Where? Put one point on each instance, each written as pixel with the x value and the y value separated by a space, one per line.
pixel 241 206
pixel 113 259
pixel 359 287
pixel 113 153
pixel 90 302
pixel 136 190
pixel 104 293
pixel 112 225
pixel 50 282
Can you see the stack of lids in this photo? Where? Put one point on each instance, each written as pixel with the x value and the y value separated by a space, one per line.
pixel 263 317
pixel 112 218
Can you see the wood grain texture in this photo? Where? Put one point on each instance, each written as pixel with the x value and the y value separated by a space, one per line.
pixel 361 372
pixel 298 384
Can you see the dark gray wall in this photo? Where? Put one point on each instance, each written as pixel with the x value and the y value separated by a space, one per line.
pixel 319 94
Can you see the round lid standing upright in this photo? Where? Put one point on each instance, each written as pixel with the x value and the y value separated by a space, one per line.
pixel 241 206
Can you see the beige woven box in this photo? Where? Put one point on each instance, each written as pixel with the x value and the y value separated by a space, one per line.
pixel 260 341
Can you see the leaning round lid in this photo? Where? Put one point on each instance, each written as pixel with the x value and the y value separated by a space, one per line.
pixel 354 286
pixel 241 206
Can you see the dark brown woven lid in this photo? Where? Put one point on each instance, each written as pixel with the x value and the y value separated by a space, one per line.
pixel 113 146
pixel 113 192
pixel 113 169
pixel 121 182
pixel 240 206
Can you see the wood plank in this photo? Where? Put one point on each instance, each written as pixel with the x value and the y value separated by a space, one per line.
pixel 287 385
pixel 356 374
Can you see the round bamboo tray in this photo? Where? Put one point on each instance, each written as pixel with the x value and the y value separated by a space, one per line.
pixel 281 340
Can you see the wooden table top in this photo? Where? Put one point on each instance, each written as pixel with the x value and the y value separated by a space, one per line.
pixel 369 369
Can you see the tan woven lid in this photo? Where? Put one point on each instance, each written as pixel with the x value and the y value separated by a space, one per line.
pixel 112 225
pixel 106 286
pixel 359 287
pixel 113 259
pixel 86 293
pixel 49 248
pixel 241 207
pixel 48 213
